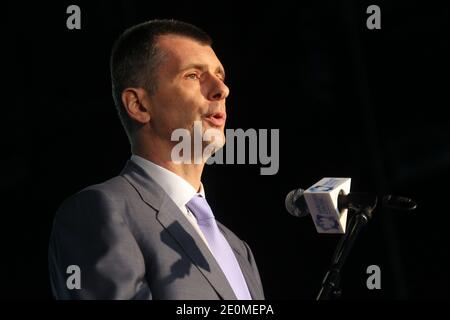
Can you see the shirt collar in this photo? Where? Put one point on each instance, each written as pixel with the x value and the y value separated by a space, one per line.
pixel 178 189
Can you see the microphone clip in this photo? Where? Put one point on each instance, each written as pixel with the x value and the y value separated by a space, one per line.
pixel 358 202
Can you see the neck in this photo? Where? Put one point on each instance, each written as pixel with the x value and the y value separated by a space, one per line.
pixel 160 155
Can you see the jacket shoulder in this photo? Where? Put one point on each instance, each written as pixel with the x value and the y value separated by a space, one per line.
pixel 113 189
pixel 97 199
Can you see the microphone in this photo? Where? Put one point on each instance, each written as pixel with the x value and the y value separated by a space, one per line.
pixel 329 200
pixel 296 205
pixel 321 201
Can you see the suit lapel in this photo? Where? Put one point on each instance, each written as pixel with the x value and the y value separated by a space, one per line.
pixel 177 225
pixel 170 215
pixel 247 271
pixel 248 275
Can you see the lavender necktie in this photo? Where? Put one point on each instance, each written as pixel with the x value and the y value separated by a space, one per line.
pixel 219 246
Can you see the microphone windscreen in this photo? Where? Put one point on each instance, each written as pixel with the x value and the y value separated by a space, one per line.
pixel 295 203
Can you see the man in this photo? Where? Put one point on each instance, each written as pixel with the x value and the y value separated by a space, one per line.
pixel 149 232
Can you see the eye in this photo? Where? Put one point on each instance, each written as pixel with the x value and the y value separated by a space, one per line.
pixel 192 76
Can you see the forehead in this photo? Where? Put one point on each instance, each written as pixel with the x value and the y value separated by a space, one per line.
pixel 180 51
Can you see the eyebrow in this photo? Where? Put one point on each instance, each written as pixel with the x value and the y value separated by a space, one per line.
pixel 204 67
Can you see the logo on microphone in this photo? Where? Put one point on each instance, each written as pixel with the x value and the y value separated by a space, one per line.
pixel 320 189
pixel 322 201
pixel 327 223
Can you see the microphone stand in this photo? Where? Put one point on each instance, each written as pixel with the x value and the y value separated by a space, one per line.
pixel 331 283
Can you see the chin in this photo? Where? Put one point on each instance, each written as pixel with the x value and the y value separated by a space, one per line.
pixel 214 138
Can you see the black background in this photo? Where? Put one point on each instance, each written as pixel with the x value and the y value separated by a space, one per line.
pixel 348 101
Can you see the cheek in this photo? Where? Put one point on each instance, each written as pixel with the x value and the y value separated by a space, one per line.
pixel 179 107
pixel 185 107
pixel 175 114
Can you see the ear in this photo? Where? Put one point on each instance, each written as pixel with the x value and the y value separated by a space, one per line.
pixel 137 104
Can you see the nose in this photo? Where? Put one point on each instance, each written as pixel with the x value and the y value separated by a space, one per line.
pixel 217 90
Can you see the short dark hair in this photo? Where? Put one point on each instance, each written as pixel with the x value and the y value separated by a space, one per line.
pixel 135 58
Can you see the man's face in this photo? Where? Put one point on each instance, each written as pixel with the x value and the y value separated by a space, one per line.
pixel 190 87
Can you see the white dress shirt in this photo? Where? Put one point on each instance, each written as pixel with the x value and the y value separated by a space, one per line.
pixel 178 189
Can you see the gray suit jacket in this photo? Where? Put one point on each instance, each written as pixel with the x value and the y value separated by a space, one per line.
pixel 131 241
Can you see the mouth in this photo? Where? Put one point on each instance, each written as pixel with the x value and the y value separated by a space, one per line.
pixel 217 119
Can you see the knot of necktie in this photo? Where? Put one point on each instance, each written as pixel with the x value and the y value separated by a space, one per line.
pixel 200 208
